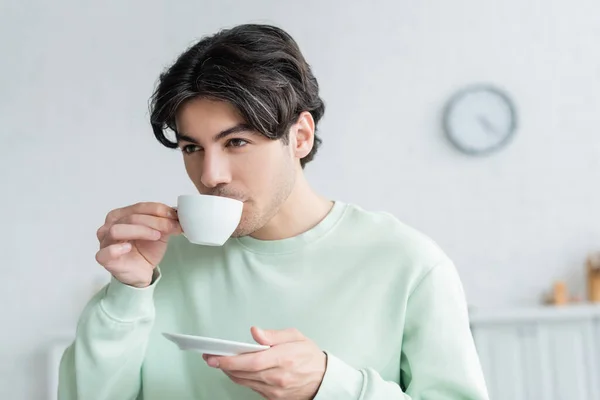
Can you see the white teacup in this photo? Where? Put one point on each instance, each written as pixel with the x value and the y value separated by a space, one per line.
pixel 208 220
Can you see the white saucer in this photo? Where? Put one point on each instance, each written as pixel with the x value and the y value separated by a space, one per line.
pixel 217 347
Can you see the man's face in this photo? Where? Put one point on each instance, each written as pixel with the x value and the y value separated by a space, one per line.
pixel 223 157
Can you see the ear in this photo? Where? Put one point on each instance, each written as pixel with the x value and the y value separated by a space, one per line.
pixel 303 135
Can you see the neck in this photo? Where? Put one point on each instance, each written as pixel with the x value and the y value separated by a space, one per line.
pixel 302 210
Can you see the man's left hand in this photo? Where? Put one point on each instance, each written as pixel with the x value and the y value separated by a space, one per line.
pixel 291 369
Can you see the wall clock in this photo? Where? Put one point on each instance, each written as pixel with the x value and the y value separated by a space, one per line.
pixel 480 119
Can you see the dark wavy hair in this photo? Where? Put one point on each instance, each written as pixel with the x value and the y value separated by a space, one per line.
pixel 259 69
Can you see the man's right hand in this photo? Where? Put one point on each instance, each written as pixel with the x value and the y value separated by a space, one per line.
pixel 133 240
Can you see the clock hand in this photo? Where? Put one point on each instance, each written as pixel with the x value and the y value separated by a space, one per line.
pixel 487 125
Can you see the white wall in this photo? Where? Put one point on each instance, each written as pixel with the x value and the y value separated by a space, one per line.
pixel 75 140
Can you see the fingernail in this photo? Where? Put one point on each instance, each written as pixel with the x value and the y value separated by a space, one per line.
pixel 126 246
pixel 213 362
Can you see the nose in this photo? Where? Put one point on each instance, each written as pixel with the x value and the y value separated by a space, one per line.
pixel 215 170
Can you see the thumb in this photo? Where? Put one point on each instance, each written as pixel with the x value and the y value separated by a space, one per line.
pixel 271 337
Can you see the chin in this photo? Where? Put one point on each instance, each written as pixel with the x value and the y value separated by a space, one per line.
pixel 242 228
pixel 247 226
pixel 239 232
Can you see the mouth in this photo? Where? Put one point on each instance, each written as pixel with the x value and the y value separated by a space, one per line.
pixel 231 197
pixel 230 194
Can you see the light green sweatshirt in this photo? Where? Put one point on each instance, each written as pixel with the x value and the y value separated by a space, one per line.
pixel 381 299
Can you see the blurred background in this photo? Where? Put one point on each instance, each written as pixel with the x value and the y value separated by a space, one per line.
pixel 520 223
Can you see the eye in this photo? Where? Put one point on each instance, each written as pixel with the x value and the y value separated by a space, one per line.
pixel 237 143
pixel 190 148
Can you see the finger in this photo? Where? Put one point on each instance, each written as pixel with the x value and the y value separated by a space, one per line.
pixel 161 224
pixel 265 376
pixel 123 232
pixel 248 362
pixel 110 253
pixel 166 226
pixel 148 208
pixel 274 337
pixel 101 232
pixel 215 362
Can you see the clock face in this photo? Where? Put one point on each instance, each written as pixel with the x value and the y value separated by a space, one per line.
pixel 479 119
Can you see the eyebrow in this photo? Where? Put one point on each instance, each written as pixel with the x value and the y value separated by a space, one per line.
pixel 227 132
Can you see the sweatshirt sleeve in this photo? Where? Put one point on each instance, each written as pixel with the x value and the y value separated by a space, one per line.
pixel 439 360
pixel 105 360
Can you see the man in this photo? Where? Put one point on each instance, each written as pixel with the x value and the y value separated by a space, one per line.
pixel 354 304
